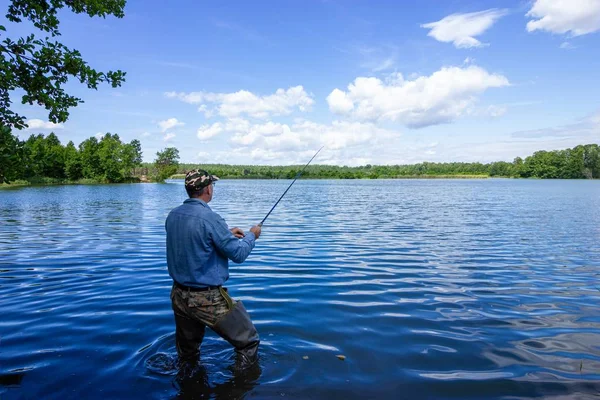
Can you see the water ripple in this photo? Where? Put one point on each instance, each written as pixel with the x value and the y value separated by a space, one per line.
pixel 430 289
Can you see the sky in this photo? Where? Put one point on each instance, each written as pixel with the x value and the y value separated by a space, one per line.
pixel 375 82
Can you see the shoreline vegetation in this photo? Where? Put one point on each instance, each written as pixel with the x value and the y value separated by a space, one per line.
pixel 43 160
pixel 182 176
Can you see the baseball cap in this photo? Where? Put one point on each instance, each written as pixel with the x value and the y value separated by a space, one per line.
pixel 199 178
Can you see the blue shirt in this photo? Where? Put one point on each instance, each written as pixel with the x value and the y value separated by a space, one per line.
pixel 199 245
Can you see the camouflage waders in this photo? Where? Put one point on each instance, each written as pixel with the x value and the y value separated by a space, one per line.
pixel 194 310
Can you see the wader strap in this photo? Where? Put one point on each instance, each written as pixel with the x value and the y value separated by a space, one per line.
pixel 226 296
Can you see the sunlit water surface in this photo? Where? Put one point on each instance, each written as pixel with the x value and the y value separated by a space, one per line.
pixel 429 288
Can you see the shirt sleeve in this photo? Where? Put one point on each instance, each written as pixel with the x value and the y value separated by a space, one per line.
pixel 237 250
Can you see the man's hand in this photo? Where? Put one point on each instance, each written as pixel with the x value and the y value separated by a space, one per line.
pixel 237 232
pixel 256 229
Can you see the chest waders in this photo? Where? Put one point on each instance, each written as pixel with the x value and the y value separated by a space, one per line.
pixel 237 328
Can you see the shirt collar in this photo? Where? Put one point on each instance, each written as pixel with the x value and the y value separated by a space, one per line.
pixel 196 201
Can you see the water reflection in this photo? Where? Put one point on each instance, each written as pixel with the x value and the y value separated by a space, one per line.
pixel 12 379
pixel 192 382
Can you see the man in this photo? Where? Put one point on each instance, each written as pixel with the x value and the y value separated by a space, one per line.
pixel 199 245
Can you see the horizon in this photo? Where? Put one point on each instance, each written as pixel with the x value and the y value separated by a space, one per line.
pixel 396 84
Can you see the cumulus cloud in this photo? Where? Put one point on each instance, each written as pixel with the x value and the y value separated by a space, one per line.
pixel 99 135
pixel 206 111
pixel 427 100
pixel 168 137
pixel 304 135
pixel 339 102
pixel 206 132
pixel 243 102
pixel 461 29
pixel 575 17
pixel 169 124
pixel 39 124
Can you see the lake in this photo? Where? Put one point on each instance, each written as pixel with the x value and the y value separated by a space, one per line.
pixel 439 289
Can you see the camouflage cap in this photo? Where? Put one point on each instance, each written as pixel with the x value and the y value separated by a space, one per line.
pixel 199 178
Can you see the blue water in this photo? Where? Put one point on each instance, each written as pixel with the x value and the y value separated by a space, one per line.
pixel 430 288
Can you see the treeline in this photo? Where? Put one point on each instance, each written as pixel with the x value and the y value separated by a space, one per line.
pixel 581 162
pixel 42 159
pixel 46 159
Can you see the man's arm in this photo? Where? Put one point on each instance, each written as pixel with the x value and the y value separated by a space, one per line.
pixel 237 250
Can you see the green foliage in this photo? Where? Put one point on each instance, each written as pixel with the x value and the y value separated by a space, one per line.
pixel 581 162
pixel 44 160
pixel 166 163
pixel 55 158
pixel 90 160
pixel 131 157
pixel 11 155
pixel 41 67
pixel 110 151
pixel 73 169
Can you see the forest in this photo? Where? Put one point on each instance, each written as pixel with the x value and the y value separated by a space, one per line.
pixel 45 160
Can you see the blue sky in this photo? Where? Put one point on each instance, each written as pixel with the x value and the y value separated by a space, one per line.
pixel 383 82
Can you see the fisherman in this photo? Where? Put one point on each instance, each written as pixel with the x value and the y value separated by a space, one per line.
pixel 199 245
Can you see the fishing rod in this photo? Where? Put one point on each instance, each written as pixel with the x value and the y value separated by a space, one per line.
pixel 286 190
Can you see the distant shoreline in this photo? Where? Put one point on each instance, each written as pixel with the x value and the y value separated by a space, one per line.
pixel 36 183
pixel 182 176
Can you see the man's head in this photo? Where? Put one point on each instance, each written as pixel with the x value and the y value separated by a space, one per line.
pixel 199 184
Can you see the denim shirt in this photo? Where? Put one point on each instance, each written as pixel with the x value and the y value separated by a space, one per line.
pixel 199 245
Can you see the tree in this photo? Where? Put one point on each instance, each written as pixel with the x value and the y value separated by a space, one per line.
pixel 73 169
pixel 591 160
pixel 166 162
pixel 34 155
pixel 41 67
pixel 90 161
pixel 132 157
pixel 54 163
pixel 11 154
pixel 110 151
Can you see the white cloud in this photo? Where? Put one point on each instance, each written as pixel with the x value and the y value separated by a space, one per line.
pixel 99 135
pixel 204 109
pixel 576 17
pixel 427 100
pixel 461 29
pixel 304 135
pixel 237 125
pixel 169 136
pixel 208 131
pixel 263 156
pixel 169 124
pixel 39 124
pixel 339 102
pixel 231 105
